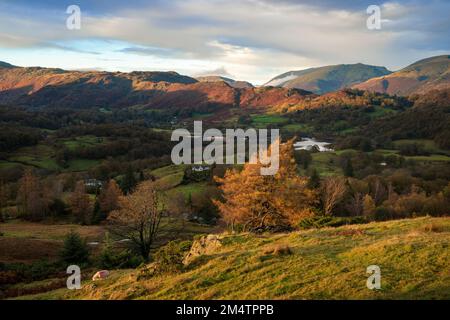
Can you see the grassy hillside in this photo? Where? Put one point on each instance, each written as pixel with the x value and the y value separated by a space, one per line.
pixel 329 263
pixel 419 77
pixel 329 78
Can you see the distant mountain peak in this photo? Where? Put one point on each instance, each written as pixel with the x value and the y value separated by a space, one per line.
pixel 328 78
pixel 6 65
pixel 419 77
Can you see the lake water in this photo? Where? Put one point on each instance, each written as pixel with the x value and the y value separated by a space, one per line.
pixel 308 143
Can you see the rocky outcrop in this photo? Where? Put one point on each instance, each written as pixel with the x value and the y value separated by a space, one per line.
pixel 203 246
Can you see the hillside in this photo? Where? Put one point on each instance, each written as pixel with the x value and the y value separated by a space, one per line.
pixel 5 65
pixel 42 87
pixel 428 119
pixel 343 98
pixel 328 78
pixel 327 263
pixel 231 82
pixel 420 77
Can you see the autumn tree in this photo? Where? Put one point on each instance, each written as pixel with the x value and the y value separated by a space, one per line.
pixel 369 206
pixel 32 198
pixel 81 204
pixel 139 217
pixel 332 191
pixel 253 201
pixel 109 197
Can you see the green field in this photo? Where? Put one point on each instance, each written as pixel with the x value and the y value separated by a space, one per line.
pixel 40 156
pixel 188 189
pixel 431 157
pixel 43 155
pixel 201 116
pixel 326 163
pixel 381 112
pixel 168 170
pixel 428 145
pixel 82 141
pixel 264 120
pixel 330 263
pixel 296 127
pixel 169 176
pixel 81 164
pixel 388 152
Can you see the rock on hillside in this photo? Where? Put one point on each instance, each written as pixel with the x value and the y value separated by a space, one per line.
pixel 203 246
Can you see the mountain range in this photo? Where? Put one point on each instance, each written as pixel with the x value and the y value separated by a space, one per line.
pixel 45 87
pixel 50 87
pixel 419 77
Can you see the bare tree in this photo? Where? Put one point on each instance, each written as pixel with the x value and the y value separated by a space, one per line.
pixel 333 190
pixel 139 217
pixel 379 192
pixel 356 204
pixel 32 198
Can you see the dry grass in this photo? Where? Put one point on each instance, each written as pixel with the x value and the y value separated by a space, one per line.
pixel 434 227
pixel 28 250
pixel 350 232
pixel 23 229
pixel 278 250
pixel 323 264
pixel 28 242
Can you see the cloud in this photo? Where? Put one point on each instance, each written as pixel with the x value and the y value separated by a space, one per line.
pixel 148 51
pixel 251 39
pixel 221 71
pixel 65 48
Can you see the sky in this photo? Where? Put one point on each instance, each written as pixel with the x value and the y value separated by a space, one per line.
pixel 252 40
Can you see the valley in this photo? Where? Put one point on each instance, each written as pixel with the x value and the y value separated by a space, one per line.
pixel 364 179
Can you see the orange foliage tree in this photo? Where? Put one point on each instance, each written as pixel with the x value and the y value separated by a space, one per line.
pixel 81 204
pixel 109 197
pixel 32 198
pixel 256 202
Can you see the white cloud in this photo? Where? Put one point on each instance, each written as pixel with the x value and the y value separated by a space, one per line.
pixel 254 40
